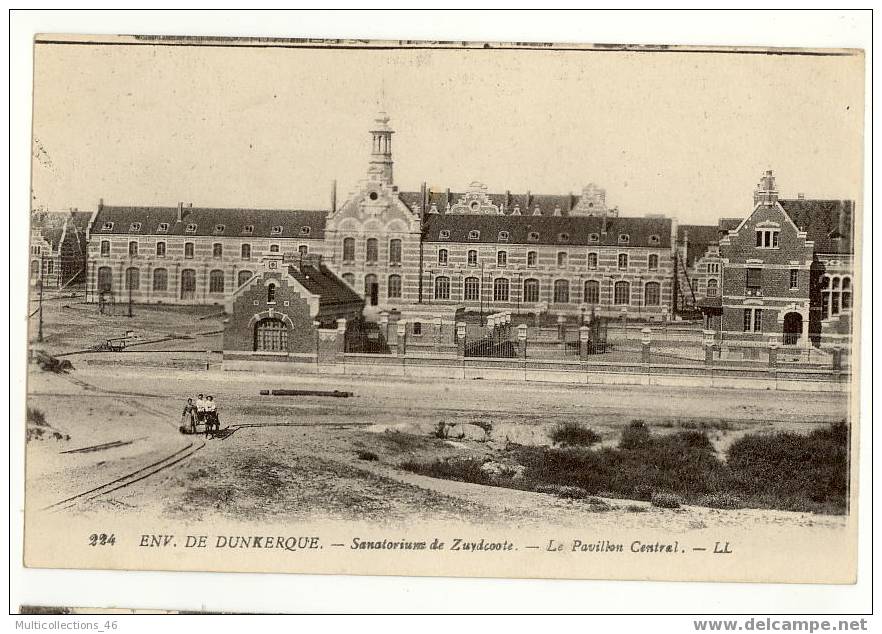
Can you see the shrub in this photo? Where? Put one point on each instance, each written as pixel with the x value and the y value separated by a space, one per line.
pixel 643 492
pixel 666 500
pixel 486 425
pixel 636 508
pixel 464 470
pixel 440 430
pixel 574 435
pixel 563 491
pixel 370 456
pixel 721 500
pixel 634 435
pixel 36 417
pixel 793 471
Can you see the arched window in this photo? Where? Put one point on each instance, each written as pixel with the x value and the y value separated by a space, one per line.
pixel 562 258
pixel 216 281
pixel 442 257
pixel 271 335
pixel 188 284
pixel 160 249
pixel 371 250
pixel 500 289
pixel 622 293
pixel 188 250
pixel 592 261
pixel 501 258
pixel 394 287
pixel 270 293
pixel 274 248
pixel 133 279
pixel 50 266
pixel 652 294
pixel 160 280
pixel 348 249
pixel 653 262
pixel 133 249
pixel 846 293
pixel 712 287
pixel 592 292
pixel 531 290
pixel 35 268
pixel 561 291
pixel 623 260
pixel 471 289
pixel 246 251
pixel 442 287
pixel 472 258
pixel 531 258
pixel 349 278
pixel 105 279
pixel 395 251
pixel 242 277
pixel 105 248
pixel 217 250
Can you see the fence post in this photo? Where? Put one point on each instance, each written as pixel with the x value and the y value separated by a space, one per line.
pixel 773 352
pixel 522 341
pixel 837 359
pixel 460 338
pixel 438 326
pixel 341 340
pixel 562 328
pixel 384 326
pixel 645 343
pixel 402 337
pixel 708 347
pixel 584 336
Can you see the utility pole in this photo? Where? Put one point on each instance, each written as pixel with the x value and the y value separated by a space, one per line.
pixel 40 327
pixel 481 293
pixel 129 282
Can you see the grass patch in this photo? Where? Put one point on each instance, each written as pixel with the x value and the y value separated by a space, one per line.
pixel 574 435
pixel 364 454
pixel 783 470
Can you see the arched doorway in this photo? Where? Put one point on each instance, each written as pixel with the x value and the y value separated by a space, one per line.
pixel 792 328
pixel 271 335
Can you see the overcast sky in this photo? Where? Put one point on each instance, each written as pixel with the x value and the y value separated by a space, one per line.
pixel 683 134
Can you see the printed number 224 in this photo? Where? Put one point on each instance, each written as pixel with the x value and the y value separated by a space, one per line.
pixel 102 539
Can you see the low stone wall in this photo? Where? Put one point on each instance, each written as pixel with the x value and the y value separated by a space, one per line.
pixel 563 371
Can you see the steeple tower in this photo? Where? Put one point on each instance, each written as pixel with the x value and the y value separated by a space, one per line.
pixel 766 193
pixel 380 169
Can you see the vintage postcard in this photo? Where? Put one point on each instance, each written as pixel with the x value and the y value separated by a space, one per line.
pixel 444 308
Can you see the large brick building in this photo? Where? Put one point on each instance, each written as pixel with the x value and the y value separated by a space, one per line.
pixel 788 272
pixel 58 248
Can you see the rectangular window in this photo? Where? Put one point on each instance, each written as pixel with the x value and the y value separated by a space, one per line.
pixel 748 319
pixel 531 258
pixel 501 258
pixel 753 320
pixel 188 250
pixel 794 279
pixel 767 238
pixel 133 249
pixel 754 281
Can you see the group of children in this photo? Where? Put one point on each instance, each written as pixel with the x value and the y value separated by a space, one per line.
pixel 203 410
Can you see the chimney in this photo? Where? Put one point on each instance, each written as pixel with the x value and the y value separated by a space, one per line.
pixel 100 204
pixel 180 212
pixel 447 197
pixel 529 199
pixel 572 202
pixel 424 198
pixel 333 196
pixel 507 198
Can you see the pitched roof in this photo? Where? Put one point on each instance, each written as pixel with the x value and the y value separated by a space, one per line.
pixel 550 229
pixel 547 203
pixel 700 238
pixel 318 279
pixel 829 223
pixel 234 220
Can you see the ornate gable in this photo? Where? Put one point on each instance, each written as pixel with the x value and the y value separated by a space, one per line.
pixel 475 201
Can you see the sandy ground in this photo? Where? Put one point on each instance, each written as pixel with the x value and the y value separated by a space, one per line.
pixel 305 466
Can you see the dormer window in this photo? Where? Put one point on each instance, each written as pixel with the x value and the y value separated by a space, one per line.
pixel 624 238
pixel 594 238
pixel 191 228
pixel 135 227
pixel 162 228
pixel 474 235
pixel 248 229
pixel 219 228
pixel 107 226
pixel 503 236
pixel 563 237
pixel 305 231
pixel 654 239
pixel 533 236
pixel 444 234
pixel 276 230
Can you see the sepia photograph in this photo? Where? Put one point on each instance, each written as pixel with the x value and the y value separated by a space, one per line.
pixel 444 308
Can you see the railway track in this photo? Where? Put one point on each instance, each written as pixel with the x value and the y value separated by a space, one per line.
pixel 138 475
pixel 128 479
